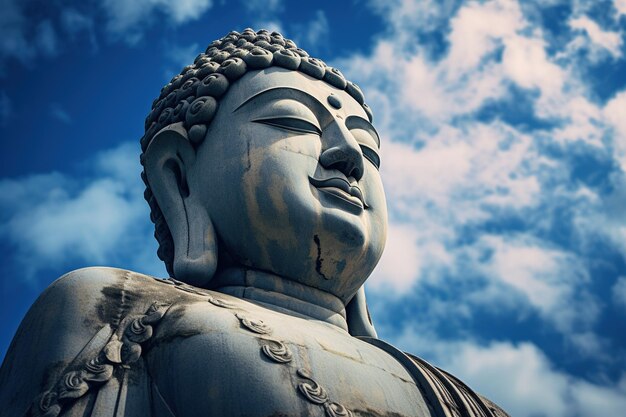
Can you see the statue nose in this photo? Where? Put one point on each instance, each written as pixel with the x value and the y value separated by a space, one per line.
pixel 341 151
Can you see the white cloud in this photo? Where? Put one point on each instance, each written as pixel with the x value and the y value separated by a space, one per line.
pixel 615 114
pixel 618 292
pixel 526 63
pixel 182 56
pixel 405 16
pixel 317 29
pixel 518 377
pixel 502 274
pixel 121 164
pixel 441 92
pixel 614 111
pixel 591 345
pixel 582 119
pixel 405 257
pixel 550 280
pixel 88 223
pixel 264 7
pixel 46 38
pixel 182 11
pixel 270 25
pixel 462 173
pixel 14 42
pixel 490 43
pixel 531 384
pixel 611 41
pixel 24 36
pixel 620 7
pixel 312 35
pixel 534 387
pixel 265 14
pixel 54 219
pixel 478 29
pixel 75 23
pixel 128 19
pixel 600 219
pixel 492 46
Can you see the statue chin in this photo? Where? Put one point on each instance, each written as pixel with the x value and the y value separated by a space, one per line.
pixel 337 259
pixel 262 174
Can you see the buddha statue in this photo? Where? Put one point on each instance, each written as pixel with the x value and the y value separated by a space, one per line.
pixel 261 171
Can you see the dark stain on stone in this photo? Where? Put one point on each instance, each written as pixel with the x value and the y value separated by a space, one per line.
pixel 319 259
pixel 116 301
pixel 249 164
pixel 90 322
pixel 109 307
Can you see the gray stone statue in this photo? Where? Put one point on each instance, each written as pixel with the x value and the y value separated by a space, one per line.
pixel 261 170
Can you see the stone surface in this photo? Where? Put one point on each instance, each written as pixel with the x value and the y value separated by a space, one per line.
pixel 261 167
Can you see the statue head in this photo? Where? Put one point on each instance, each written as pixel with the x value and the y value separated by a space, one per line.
pixel 260 156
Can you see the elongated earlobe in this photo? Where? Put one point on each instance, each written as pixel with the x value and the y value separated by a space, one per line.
pixel 167 161
pixel 358 317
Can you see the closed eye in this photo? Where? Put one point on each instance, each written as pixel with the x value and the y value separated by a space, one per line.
pixel 294 124
pixel 371 155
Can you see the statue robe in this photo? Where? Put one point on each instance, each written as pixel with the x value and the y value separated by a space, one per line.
pixel 83 349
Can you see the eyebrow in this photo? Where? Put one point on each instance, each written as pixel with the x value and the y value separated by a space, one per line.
pixel 276 89
pixel 357 122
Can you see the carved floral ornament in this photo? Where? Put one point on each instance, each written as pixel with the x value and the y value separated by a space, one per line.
pixel 122 349
pixel 316 394
pixel 277 351
pixel 256 326
pixel 179 285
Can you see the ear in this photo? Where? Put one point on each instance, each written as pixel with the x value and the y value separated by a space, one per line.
pixel 167 161
pixel 358 316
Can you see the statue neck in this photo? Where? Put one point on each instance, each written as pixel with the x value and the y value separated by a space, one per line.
pixel 281 294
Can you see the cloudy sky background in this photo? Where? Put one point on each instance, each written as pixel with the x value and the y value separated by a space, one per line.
pixel 504 161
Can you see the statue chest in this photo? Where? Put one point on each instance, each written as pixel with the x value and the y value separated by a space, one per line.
pixel 254 362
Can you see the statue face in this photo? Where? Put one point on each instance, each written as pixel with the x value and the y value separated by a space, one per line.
pixel 288 174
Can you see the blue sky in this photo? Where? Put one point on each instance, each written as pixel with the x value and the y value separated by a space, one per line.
pixel 504 160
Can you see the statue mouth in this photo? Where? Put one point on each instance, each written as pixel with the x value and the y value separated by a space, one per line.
pixel 340 188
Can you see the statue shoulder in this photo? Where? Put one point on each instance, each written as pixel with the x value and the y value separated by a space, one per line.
pixel 70 325
pixel 95 282
pixel 87 299
pixel 450 391
pixel 445 394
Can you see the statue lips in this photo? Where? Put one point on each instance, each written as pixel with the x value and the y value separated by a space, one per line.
pixel 341 189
